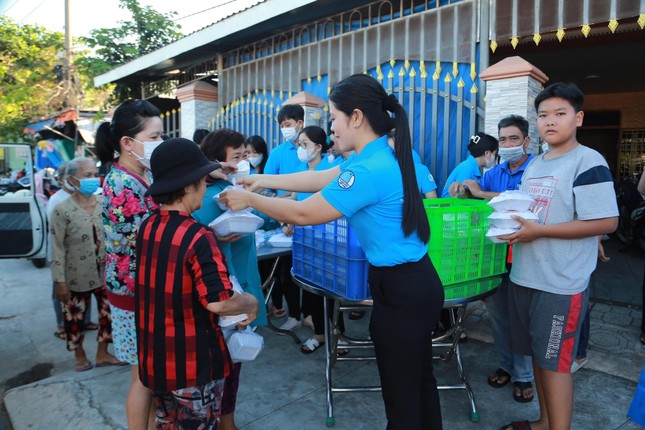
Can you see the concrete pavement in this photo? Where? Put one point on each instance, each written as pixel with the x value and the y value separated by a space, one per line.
pixel 284 389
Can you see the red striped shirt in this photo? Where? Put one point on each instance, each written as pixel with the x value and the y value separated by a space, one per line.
pixel 180 270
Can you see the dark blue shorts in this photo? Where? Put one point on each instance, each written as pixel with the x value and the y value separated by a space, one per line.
pixel 546 325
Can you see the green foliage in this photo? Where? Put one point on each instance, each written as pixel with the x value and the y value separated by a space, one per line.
pixel 29 85
pixel 147 31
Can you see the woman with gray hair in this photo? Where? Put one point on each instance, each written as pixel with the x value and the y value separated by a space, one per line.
pixel 78 258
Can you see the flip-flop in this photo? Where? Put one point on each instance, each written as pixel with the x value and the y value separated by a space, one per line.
pixel 60 334
pixel 310 346
pixel 83 367
pixel 517 425
pixel 522 386
pixel 91 326
pixel 111 363
pixel 278 313
pixel 500 373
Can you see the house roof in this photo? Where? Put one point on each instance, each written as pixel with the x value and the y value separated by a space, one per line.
pixel 258 20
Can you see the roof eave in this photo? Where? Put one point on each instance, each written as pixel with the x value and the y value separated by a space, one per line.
pixel 238 22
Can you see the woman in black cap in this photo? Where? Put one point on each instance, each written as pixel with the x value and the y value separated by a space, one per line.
pixel 183 357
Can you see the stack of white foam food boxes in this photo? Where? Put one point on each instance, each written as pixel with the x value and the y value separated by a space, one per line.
pixel 507 205
pixel 236 222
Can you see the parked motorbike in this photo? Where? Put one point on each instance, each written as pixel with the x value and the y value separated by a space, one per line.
pixel 631 210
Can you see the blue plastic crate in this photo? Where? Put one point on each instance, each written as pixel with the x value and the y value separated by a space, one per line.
pixel 330 257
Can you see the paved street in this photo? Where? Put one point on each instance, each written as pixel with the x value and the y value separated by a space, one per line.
pixel 284 389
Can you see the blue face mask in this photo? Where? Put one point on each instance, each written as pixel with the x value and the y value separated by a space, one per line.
pixel 88 186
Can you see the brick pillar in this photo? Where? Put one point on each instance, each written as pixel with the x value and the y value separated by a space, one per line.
pixel 198 106
pixel 511 88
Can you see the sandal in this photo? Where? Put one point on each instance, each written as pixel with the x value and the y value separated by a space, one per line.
pixel 340 351
pixel 83 367
pixel 310 346
pixel 278 313
pixel 499 374
pixel 519 396
pixel 356 315
pixel 60 334
pixel 517 425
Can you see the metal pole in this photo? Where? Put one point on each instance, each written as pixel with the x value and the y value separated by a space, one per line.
pixel 484 58
pixel 67 76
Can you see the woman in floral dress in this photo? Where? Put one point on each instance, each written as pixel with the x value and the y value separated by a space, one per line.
pixel 127 142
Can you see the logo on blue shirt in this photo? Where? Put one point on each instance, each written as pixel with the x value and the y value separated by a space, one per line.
pixel 346 179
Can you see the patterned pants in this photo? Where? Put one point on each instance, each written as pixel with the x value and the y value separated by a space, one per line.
pixel 74 317
pixel 193 408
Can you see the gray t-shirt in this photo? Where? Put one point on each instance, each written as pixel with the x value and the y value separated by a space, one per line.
pixel 575 186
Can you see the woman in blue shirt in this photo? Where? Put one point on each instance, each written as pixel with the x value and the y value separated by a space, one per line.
pixel 483 153
pixel 377 191
pixel 239 251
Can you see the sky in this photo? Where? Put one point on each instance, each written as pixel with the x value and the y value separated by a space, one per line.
pixel 88 14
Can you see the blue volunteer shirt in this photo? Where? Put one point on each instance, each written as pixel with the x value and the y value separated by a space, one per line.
pixel 425 180
pixel 467 169
pixel 323 165
pixel 283 159
pixel 500 178
pixel 369 192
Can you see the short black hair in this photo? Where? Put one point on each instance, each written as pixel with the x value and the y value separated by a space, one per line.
pixel 514 121
pixel 317 136
pixel 215 143
pixel 294 112
pixel 569 92
pixel 482 142
pixel 174 196
pixel 199 134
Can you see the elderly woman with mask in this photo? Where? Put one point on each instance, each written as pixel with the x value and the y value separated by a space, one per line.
pixel 78 258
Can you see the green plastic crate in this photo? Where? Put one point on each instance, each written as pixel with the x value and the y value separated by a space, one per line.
pixel 458 246
pixel 472 288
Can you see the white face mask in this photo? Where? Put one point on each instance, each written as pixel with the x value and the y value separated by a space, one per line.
pixel 490 163
pixel 255 161
pixel 545 147
pixel 306 154
pixel 512 155
pixel 148 148
pixel 289 133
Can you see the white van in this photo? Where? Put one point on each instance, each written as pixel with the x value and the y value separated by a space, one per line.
pixel 23 221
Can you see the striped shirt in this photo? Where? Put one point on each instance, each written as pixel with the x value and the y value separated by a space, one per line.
pixel 180 270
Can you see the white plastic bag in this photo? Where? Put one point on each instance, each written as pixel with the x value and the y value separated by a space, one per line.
pixel 244 345
pixel 231 320
pixel 238 222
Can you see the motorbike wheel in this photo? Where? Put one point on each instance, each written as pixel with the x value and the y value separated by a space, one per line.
pixel 39 262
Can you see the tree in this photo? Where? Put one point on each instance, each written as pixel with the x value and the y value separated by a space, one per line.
pixel 29 86
pixel 148 31
pixel 32 87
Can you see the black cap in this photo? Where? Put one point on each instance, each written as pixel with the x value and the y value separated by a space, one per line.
pixel 175 163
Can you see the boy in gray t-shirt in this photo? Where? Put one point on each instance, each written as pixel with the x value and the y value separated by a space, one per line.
pixel 554 258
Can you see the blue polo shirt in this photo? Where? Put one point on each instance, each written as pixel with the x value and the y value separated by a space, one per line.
pixel 323 165
pixel 500 178
pixel 369 192
pixel 425 180
pixel 283 159
pixel 467 169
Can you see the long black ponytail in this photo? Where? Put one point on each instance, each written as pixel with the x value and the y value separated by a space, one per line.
pixel 128 119
pixel 366 94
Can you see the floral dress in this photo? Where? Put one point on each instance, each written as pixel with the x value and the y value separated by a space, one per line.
pixel 125 206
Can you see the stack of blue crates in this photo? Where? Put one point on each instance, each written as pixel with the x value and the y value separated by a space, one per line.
pixel 329 256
